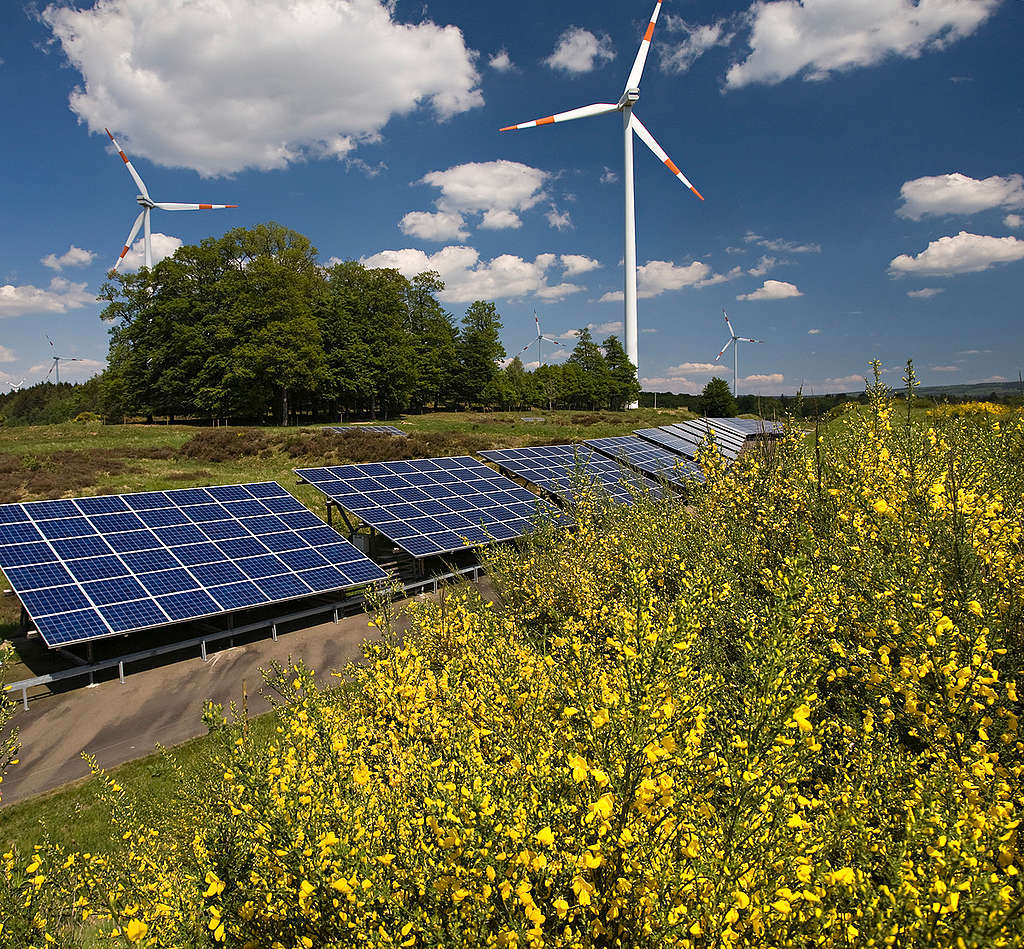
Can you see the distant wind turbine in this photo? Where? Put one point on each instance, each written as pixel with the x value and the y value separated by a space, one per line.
pixel 147 204
pixel 540 337
pixel 631 124
pixel 16 386
pixel 734 341
pixel 57 361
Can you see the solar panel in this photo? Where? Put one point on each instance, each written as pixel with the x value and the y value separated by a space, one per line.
pixel 650 459
pixel 563 470
pixel 729 442
pixel 94 567
pixel 670 440
pixel 430 506
pixel 373 429
pixel 748 427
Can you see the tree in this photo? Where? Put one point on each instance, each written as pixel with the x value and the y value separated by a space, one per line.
pixel 592 381
pixel 435 341
pixel 479 351
pixel 716 401
pixel 623 387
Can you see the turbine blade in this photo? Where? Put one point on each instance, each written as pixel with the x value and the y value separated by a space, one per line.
pixel 633 82
pixel 724 348
pixel 660 152
pixel 747 339
pixel 129 165
pixel 599 108
pixel 50 341
pixel 732 332
pixel 537 321
pixel 548 339
pixel 128 243
pixel 175 206
pixel 523 350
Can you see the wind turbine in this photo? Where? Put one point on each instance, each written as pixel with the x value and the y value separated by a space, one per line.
pixel 540 337
pixel 16 386
pixel 56 361
pixel 631 124
pixel 147 204
pixel 734 341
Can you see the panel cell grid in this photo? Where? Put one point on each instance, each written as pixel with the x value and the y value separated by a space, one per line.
pixel 702 431
pixel 94 567
pixel 372 429
pixel 404 500
pixel 651 459
pixel 688 448
pixel 569 471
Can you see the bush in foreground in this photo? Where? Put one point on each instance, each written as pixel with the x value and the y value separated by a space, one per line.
pixel 786 715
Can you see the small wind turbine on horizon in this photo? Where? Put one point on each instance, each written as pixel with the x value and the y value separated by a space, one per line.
pixel 147 204
pixel 734 341
pixel 631 125
pixel 16 386
pixel 539 338
pixel 57 361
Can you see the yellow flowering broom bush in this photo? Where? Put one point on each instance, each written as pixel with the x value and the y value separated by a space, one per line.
pixel 784 715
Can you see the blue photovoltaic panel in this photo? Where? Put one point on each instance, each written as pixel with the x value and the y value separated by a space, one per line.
pixel 670 440
pixel 563 470
pixel 94 567
pixel 430 506
pixel 372 429
pixel 650 459
pixel 701 431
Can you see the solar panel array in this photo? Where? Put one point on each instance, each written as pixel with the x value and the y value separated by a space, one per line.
pixel 95 567
pixel 748 427
pixel 651 459
pixel 563 470
pixel 430 506
pixel 372 429
pixel 701 431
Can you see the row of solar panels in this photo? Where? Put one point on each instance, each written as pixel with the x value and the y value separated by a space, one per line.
pixel 89 568
pixel 439 505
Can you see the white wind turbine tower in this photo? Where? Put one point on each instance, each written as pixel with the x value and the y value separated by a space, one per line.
pixel 540 337
pixel 147 204
pixel 57 361
pixel 631 124
pixel 734 341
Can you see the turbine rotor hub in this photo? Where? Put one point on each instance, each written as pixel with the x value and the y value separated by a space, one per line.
pixel 144 201
pixel 629 98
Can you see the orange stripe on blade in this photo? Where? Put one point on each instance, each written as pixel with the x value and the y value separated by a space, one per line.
pixel 696 192
pixel 205 207
pixel 546 121
pixel 509 128
pixel 123 252
pixel 672 166
pixel 124 157
pixel 649 33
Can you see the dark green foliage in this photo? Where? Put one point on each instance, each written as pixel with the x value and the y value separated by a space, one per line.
pixel 717 399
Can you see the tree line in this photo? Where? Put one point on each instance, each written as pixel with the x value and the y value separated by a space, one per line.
pixel 250 326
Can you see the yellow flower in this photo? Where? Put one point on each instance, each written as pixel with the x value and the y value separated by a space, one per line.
pixel 545 837
pixel 135 930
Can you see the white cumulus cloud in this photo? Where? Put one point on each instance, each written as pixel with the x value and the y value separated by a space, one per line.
pixel 813 332
pixel 964 253
pixel 559 220
pixel 163 245
pixel 576 264
pixel 580 51
pixel 222 85
pixel 1014 221
pixel 501 61
pixel 7 355
pixel 944 368
pixel 772 290
pixel 658 276
pixel 763 266
pixel 959 194
pixel 72 257
pixel 61 295
pixel 924 293
pixel 469 278
pixel 817 38
pixel 499 191
pixel 434 225
pixel 779 245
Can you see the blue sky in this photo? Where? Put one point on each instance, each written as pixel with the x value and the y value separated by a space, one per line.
pixel 861 165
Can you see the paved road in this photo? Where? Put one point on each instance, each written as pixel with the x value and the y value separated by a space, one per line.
pixel 163 705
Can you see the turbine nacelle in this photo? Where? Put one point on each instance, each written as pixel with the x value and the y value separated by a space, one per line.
pixel 628 100
pixel 143 201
